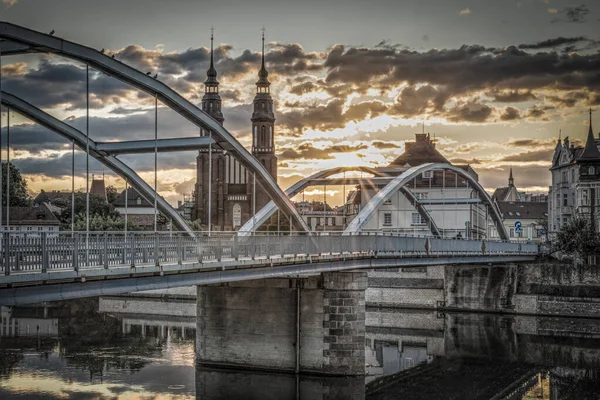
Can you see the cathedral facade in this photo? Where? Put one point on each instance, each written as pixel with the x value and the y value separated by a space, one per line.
pixel 232 198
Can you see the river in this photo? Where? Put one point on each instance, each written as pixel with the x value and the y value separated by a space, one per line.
pixel 74 350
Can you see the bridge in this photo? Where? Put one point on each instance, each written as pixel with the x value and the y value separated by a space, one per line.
pixel 302 290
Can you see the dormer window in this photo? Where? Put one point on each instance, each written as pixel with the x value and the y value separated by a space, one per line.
pixel 138 201
pixel 591 171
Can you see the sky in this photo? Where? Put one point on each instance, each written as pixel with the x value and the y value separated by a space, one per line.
pixel 495 81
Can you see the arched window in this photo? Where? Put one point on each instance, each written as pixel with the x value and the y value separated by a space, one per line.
pixel 270 135
pixel 237 215
pixel 591 171
pixel 263 135
pixel 255 136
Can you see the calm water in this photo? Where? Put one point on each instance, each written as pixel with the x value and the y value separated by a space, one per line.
pixel 143 349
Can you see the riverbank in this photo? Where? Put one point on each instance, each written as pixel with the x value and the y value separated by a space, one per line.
pixel 532 289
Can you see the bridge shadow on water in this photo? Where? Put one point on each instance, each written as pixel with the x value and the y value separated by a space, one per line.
pixel 145 348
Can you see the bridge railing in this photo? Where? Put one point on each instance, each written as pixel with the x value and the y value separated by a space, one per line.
pixel 21 252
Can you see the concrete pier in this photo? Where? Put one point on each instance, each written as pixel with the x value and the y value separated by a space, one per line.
pixel 257 324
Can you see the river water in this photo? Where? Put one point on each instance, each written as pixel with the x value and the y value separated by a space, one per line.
pixel 75 350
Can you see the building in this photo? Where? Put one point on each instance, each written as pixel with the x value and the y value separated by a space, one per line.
pixel 508 193
pixel 320 216
pixel 523 213
pixel 98 188
pixel 31 220
pixel 523 220
pixel 138 210
pixel 575 180
pixel 185 208
pixel 55 200
pixel 230 185
pixel 465 218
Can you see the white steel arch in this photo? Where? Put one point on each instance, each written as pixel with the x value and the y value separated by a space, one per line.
pixel 113 163
pixel 401 180
pixel 33 41
pixel 269 209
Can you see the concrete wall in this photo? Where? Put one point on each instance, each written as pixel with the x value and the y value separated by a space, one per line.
pixel 406 287
pixel 253 324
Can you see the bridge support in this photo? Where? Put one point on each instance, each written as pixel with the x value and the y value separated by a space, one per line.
pixel 257 324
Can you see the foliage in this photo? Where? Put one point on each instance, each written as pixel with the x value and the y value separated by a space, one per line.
pixel 111 193
pixel 197 225
pixel 103 223
pixel 98 207
pixel 19 197
pixel 579 238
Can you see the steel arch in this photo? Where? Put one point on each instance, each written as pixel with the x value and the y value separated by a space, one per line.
pixel 269 209
pixel 401 180
pixel 110 161
pixel 40 42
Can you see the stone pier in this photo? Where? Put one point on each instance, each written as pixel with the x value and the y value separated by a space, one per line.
pixel 257 324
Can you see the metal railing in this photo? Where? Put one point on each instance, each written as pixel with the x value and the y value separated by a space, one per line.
pixel 20 252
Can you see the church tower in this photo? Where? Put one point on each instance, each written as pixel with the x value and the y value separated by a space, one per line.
pixel 263 127
pixel 211 104
pixel 263 120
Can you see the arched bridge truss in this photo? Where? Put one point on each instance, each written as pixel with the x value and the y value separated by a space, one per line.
pixel 400 182
pixel 320 178
pixel 19 40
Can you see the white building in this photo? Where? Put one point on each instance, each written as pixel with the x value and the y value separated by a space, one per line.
pixel 575 182
pixel 31 220
pixel 435 189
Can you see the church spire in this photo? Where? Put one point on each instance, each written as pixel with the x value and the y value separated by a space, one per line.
pixel 590 151
pixel 212 72
pixel 262 85
pixel 211 102
pixel 511 181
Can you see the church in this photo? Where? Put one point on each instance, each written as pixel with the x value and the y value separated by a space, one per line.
pixel 232 199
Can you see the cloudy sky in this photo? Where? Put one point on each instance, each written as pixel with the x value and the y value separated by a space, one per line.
pixel 494 80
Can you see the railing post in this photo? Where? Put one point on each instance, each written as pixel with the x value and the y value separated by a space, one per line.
pixel 6 253
pixel 105 251
pixel 44 244
pixel 268 250
pixel 133 251
pixel 179 249
pixel 234 249
pixel 75 252
pixel 17 255
pixel 156 250
pixel 219 249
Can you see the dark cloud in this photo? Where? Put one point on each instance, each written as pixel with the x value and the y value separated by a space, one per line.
pixel 463 161
pixel 510 114
pixel 307 151
pixel 384 145
pixel 567 100
pixel 512 96
pixel 328 116
pixel 538 112
pixel 531 143
pixel 549 43
pixel 575 14
pixel 469 112
pixel 530 156
pixel 415 101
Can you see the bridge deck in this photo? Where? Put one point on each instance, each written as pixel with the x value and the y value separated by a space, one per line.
pixel 47 267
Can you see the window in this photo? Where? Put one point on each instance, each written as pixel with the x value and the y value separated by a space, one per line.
pixel 565 200
pixel 39 228
pixel 139 201
pixel 518 213
pixel 591 171
pixel 422 196
pixel 387 202
pixel 263 135
pixel 427 175
pixel 565 178
pixel 51 228
pixel 510 213
pixel 417 219
pixel 572 175
pixel 387 219
pixel 29 228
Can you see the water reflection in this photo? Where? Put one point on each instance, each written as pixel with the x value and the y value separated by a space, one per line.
pixel 130 348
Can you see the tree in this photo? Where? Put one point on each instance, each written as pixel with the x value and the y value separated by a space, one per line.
pixel 111 193
pixel 107 223
pixel 578 237
pixel 19 197
pixel 98 206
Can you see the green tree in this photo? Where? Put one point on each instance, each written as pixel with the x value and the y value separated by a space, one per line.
pixel 98 206
pixel 108 223
pixel 578 237
pixel 19 197
pixel 111 194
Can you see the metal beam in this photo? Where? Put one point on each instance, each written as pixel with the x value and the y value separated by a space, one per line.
pixel 351 181
pixel 147 146
pixel 12 49
pixel 450 201
pixel 113 163
pixel 51 44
